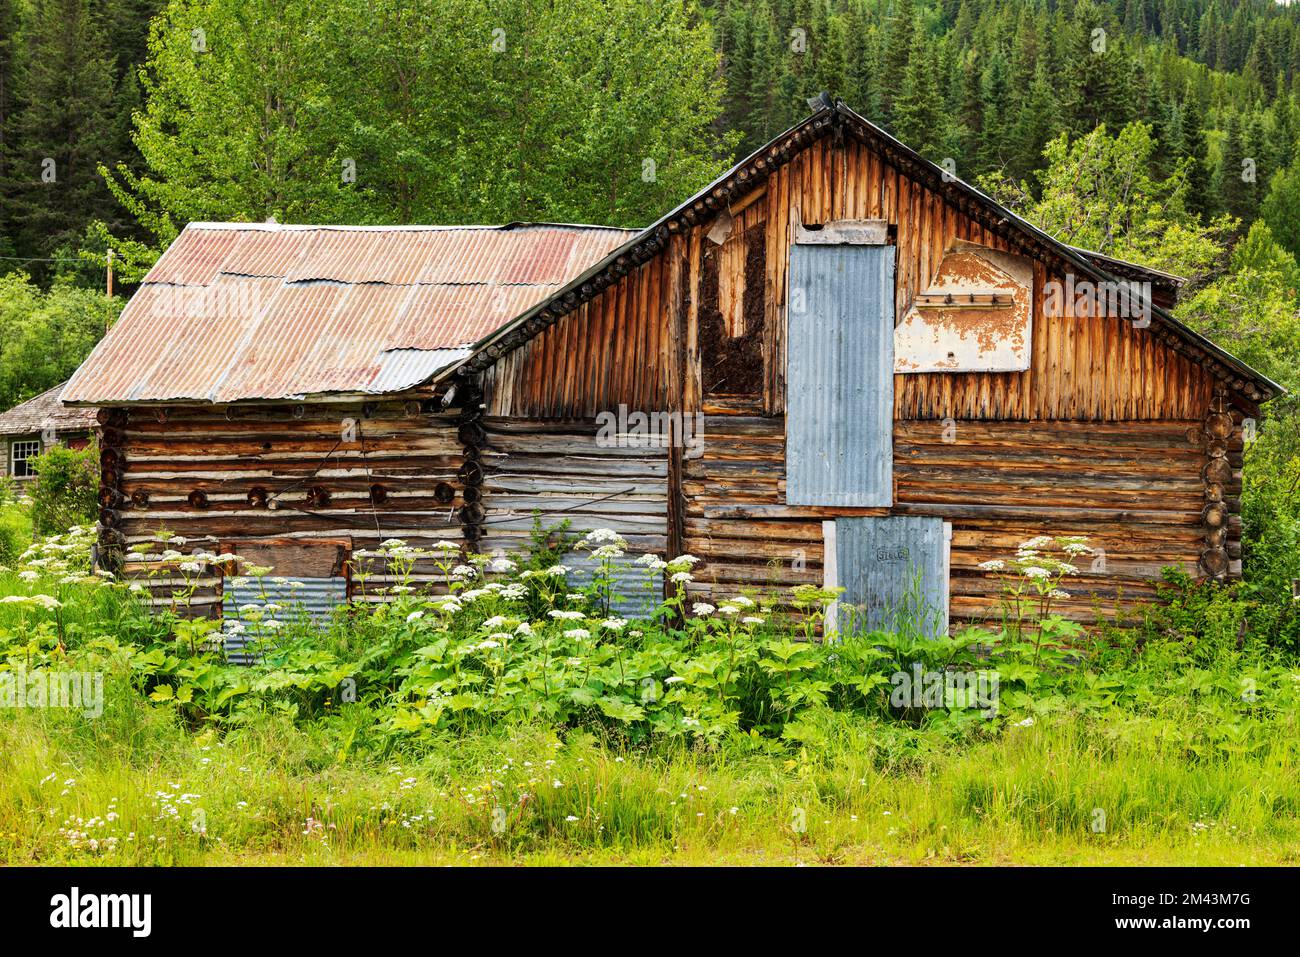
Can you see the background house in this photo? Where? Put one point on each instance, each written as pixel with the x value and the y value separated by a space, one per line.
pixel 30 427
pixel 837 364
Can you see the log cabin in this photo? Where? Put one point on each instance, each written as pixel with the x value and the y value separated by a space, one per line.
pixel 838 364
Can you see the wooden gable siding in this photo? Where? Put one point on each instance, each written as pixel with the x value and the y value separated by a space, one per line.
pixel 627 345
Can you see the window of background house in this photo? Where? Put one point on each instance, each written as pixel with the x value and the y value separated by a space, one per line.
pixel 21 454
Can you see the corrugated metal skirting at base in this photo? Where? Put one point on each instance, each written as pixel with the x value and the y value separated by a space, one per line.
pixel 314 598
pixel 637 591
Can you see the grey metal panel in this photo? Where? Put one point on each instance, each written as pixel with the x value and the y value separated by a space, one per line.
pixel 312 598
pixel 894 573
pixel 637 590
pixel 840 376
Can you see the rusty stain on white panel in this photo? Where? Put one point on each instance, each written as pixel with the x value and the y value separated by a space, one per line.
pixel 943 331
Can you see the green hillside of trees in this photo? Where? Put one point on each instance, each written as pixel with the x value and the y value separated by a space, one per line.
pixel 1158 130
pixel 454 111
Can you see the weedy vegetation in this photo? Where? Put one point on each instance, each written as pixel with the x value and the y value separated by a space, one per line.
pixel 510 714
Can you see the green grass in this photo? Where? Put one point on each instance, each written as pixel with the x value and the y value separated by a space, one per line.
pixel 871 793
pixel 1176 741
pixel 15 530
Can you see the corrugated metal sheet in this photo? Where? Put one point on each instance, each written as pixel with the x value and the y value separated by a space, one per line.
pixel 198 258
pixel 234 312
pixel 891 569
pixel 311 598
pixel 402 368
pixel 638 591
pixel 840 405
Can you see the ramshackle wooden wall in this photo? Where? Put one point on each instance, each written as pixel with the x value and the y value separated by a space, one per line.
pixel 1128 435
pixel 301 486
pixel 1115 431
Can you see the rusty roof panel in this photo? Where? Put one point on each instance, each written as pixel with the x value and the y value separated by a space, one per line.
pixel 237 312
pixel 345 323
pixel 169 340
pixel 194 259
pixel 267 253
pixel 264 362
pixel 444 316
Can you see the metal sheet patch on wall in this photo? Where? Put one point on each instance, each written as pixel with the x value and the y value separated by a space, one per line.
pixel 636 591
pixel 312 598
pixel 894 572
pixel 840 375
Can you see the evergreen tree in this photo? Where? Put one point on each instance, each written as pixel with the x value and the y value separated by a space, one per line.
pixel 918 111
pixel 1237 171
pixel 898 49
pixel 62 129
pixel 994 93
pixel 1281 208
pixel 1035 123
pixel 1199 188
pixel 8 49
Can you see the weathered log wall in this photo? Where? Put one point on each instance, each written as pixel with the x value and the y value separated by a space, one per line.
pixel 1116 431
pixel 1134 488
pixel 1104 435
pixel 277 478
pixel 572 471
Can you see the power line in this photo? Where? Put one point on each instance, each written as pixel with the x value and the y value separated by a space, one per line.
pixel 40 259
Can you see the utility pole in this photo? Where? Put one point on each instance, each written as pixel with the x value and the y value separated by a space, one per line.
pixel 109 285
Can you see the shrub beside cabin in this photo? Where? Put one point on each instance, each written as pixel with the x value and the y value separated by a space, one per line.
pixel 835 364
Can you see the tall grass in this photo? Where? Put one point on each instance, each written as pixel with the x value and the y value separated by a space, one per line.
pixel 1070 788
pixel 1173 743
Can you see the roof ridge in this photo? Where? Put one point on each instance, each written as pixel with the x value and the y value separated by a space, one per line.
pixel 410 227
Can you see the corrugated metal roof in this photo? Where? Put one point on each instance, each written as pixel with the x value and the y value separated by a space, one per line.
pixel 236 311
pixel 45 411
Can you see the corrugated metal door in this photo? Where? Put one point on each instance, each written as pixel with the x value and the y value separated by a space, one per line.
pixel 894 572
pixel 840 376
